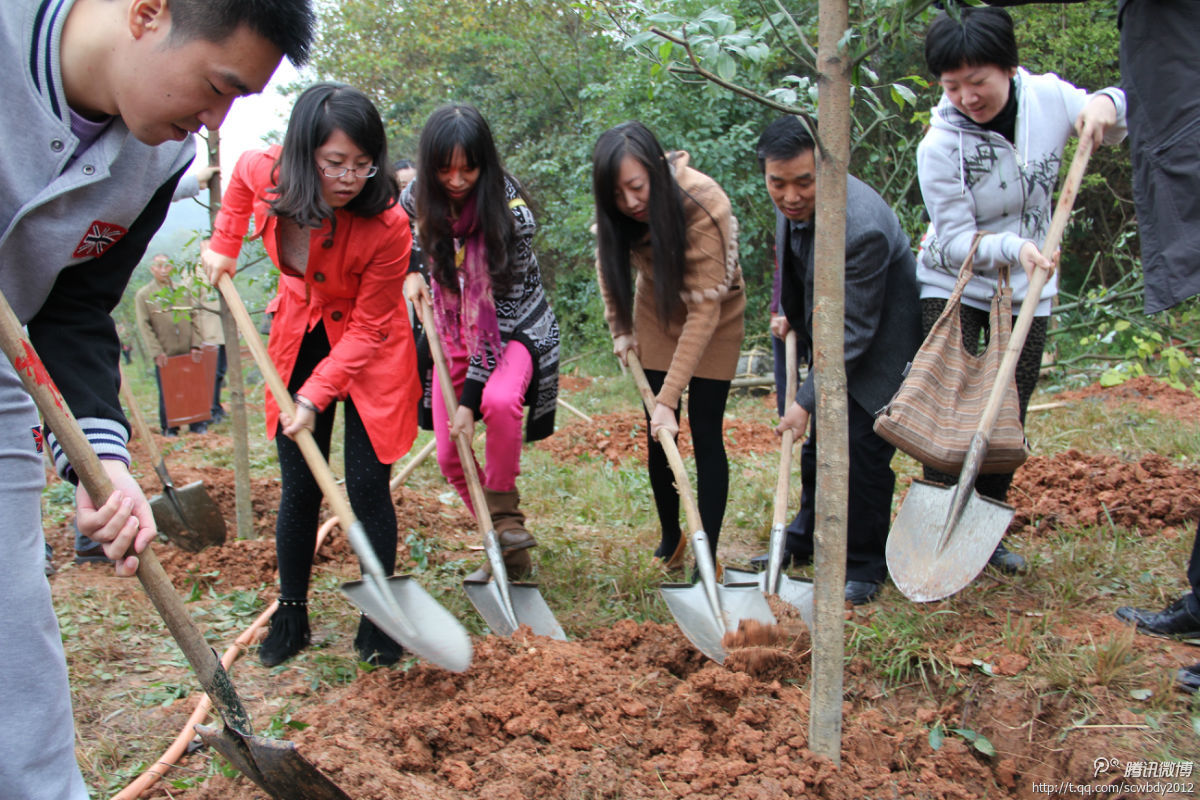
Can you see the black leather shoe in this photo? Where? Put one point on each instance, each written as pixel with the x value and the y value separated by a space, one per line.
pixel 860 592
pixel 1176 621
pixel 1007 561
pixel 1188 678
pixel 759 563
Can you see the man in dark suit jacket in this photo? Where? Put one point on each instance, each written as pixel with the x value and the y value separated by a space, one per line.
pixel 883 332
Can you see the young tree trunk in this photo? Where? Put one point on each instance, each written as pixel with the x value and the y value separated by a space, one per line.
pixel 233 372
pixel 829 563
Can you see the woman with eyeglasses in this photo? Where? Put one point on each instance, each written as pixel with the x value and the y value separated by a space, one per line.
pixel 325 207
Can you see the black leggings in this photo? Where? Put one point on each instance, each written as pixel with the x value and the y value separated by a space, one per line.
pixel 300 501
pixel 975 322
pixel 706 413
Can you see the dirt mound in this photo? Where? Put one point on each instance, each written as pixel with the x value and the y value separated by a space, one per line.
pixel 1144 391
pixel 630 712
pixel 621 436
pixel 1074 488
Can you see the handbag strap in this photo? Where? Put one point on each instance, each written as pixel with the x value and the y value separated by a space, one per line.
pixel 965 273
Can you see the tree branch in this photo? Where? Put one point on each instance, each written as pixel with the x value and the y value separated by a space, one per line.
pixel 738 88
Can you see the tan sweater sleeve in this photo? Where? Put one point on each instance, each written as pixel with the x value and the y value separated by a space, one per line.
pixel 711 263
pixel 610 314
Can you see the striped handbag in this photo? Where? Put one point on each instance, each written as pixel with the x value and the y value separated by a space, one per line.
pixel 937 409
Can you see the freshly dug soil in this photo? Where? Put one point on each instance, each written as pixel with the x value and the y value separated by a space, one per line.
pixel 1073 489
pixel 1147 393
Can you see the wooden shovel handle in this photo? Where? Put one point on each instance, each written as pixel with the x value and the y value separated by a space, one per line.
pixel 465 454
pixel 139 422
pixel 308 446
pixel 682 484
pixel 95 480
pixel 783 480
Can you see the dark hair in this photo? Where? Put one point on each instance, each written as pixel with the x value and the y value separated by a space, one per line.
pixel 402 163
pixel 981 36
pixel 287 24
pixel 321 110
pixel 783 140
pixel 617 233
pixel 449 127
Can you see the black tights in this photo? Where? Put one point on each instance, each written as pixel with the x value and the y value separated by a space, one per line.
pixel 974 322
pixel 706 413
pixel 300 501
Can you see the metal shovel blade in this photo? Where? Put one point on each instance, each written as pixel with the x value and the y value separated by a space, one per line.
pixel 506 605
pixel 795 592
pixel 922 572
pixel 192 521
pixel 275 765
pixel 706 611
pixel 704 628
pixel 439 639
pixel 396 605
pixel 528 605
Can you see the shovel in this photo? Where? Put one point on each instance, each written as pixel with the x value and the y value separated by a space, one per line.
pixel 504 605
pixel 943 535
pixel 188 517
pixel 274 765
pixel 798 594
pixel 397 605
pixel 705 611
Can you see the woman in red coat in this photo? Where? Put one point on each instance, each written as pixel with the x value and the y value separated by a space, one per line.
pixel 325 206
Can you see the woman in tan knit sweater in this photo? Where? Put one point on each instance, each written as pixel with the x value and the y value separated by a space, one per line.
pixel 672 227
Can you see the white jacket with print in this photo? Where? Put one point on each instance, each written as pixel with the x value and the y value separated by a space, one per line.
pixel 973 179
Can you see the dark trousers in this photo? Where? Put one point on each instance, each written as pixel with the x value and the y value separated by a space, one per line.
pixel 300 499
pixel 222 365
pixel 869 515
pixel 706 414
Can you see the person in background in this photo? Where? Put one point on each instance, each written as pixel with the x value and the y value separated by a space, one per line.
pixel 495 324
pixel 989 164
pixel 327 215
pixel 208 317
pixel 882 326
pixel 405 171
pixel 169 324
pixel 96 135
pixel 667 264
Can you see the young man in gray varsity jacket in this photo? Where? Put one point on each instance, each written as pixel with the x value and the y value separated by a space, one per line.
pixel 100 100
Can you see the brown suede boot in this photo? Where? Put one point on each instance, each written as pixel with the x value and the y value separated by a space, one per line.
pixel 509 523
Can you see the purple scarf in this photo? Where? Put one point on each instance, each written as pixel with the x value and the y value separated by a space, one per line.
pixel 468 316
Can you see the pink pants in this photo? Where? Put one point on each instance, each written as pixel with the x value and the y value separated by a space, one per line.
pixel 503 408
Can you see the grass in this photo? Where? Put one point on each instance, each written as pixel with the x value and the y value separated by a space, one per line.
pixel 597 527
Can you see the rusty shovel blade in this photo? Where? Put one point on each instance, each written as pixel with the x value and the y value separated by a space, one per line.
pixel 188 517
pixel 273 764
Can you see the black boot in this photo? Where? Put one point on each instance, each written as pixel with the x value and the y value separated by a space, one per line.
pixel 374 646
pixel 288 635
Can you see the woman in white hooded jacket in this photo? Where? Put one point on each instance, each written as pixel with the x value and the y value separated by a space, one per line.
pixel 989 163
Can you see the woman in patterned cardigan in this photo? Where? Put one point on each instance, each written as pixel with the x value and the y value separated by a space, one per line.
pixel 497 329
pixel 672 227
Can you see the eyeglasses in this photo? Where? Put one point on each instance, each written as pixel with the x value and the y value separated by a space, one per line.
pixel 361 172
